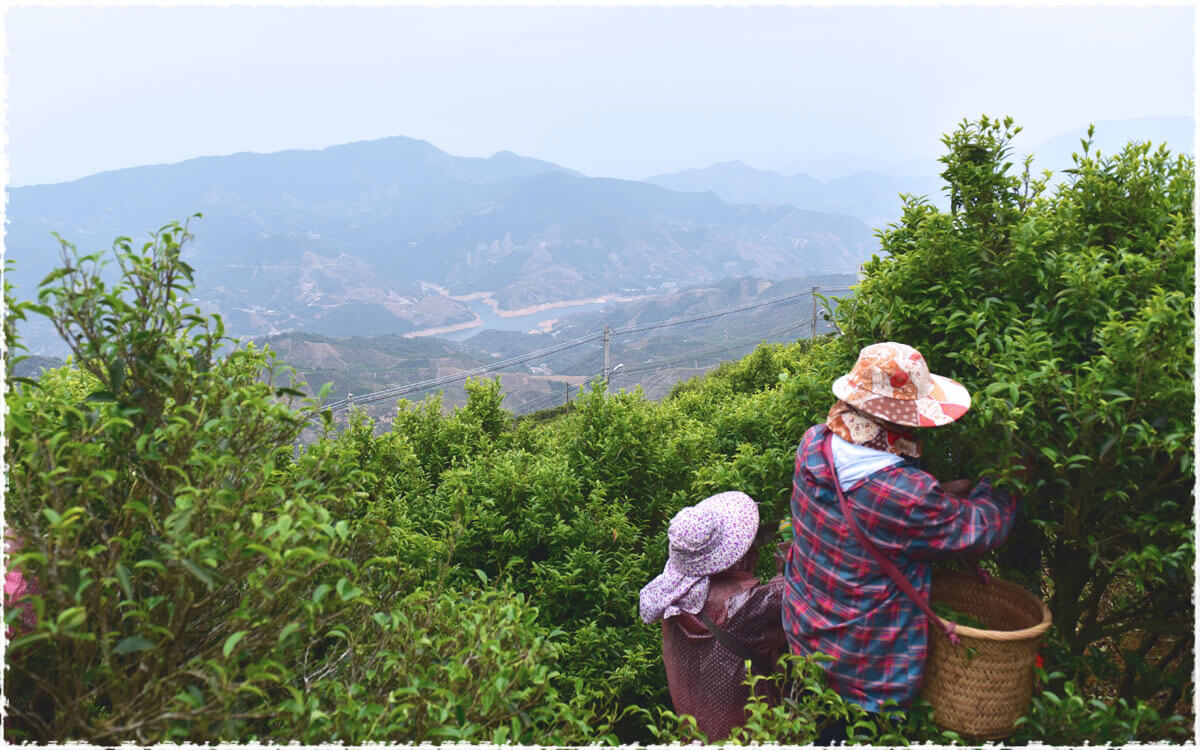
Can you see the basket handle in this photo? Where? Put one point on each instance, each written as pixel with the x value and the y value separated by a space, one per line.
pixel 888 566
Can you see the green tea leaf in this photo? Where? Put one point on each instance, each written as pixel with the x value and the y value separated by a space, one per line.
pixel 131 644
pixel 232 641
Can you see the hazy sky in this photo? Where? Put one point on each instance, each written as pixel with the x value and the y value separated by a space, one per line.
pixel 610 91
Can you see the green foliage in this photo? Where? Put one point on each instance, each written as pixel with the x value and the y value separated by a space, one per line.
pixel 570 520
pixel 757 371
pixel 442 442
pixel 808 705
pixel 68 383
pixel 469 666
pixel 173 564
pixel 805 708
pixel 199 580
pixel 1068 718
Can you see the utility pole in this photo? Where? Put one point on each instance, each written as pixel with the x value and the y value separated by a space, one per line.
pixel 606 370
pixel 813 334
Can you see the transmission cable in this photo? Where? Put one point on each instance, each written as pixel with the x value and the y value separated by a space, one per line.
pixel 397 391
pixel 704 316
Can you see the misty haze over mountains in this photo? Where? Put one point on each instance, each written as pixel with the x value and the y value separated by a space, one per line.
pixel 868 189
pixel 871 197
pixel 381 237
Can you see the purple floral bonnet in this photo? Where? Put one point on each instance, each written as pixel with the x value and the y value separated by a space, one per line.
pixel 705 538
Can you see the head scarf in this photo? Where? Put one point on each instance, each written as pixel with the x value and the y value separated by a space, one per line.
pixel 860 428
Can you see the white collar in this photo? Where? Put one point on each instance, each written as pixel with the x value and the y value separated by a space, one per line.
pixel 856 462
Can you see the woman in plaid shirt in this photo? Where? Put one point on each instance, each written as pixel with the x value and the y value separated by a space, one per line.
pixel 837 599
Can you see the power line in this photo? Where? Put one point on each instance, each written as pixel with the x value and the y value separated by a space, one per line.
pixel 778 330
pixel 553 398
pixel 730 311
pixel 711 352
pixel 399 391
pixel 526 408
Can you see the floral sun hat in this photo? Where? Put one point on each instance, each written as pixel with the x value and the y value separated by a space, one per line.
pixel 705 538
pixel 892 381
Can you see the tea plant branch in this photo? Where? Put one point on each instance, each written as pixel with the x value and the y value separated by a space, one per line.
pixel 30 716
pixel 1181 648
pixel 1090 605
pixel 56 488
pixel 1175 652
pixel 1129 679
pixel 1117 627
pixel 1117 622
pixel 181 716
pixel 305 668
pixel 1169 468
pixel 140 473
pixel 328 668
pixel 35 676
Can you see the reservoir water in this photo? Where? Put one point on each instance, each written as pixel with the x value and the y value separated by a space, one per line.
pixel 522 323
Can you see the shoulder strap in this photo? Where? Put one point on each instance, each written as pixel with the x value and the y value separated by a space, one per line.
pixel 758 664
pixel 888 566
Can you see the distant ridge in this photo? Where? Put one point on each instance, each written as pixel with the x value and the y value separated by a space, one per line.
pixel 871 197
pixel 872 194
pixel 498 166
pixel 356 238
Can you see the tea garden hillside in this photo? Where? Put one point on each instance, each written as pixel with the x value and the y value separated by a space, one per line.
pixel 464 575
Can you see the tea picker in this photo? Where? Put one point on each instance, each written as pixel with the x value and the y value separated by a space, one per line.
pixel 866 522
pixel 716 615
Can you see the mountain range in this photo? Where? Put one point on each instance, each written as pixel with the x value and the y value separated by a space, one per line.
pixel 390 236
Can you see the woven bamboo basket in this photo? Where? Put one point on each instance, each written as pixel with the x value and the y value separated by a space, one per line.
pixel 980 687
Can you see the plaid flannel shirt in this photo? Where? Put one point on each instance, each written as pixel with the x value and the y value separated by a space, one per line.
pixel 838 601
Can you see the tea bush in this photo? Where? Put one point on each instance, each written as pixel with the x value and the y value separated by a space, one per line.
pixel 197 579
pixel 807 707
pixel 462 666
pixel 1072 719
pixel 170 560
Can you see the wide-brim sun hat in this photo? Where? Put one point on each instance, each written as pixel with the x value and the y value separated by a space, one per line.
pixel 705 538
pixel 892 382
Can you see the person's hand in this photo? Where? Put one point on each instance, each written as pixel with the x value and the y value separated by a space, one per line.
pixel 958 487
